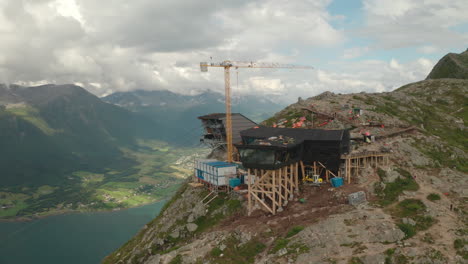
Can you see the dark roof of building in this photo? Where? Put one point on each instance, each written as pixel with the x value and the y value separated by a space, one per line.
pixel 289 137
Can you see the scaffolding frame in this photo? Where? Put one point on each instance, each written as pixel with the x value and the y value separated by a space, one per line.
pixel 273 189
pixel 355 162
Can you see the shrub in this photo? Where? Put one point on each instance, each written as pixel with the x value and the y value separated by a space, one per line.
pixel 279 244
pixel 433 197
pixel 459 243
pixel 415 210
pixel 216 252
pixel 176 260
pixel 408 229
pixel 294 231
pixel 392 190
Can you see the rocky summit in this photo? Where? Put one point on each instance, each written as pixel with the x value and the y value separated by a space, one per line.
pixel 414 208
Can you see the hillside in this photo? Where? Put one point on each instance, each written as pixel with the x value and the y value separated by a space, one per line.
pixel 63 148
pixel 178 113
pixel 451 65
pixel 416 210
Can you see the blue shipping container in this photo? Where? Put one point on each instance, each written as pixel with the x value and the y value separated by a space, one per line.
pixel 337 181
pixel 200 174
pixel 234 182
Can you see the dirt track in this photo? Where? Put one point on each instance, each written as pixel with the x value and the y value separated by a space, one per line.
pixel 320 203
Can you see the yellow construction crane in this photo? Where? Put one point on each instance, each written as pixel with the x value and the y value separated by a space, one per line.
pixel 227 65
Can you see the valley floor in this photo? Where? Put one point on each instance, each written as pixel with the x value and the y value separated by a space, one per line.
pixel 158 174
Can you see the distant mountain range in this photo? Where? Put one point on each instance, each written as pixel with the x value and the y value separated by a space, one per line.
pixel 48 131
pixel 452 65
pixel 177 114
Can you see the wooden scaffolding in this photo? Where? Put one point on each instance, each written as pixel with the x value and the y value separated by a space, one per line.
pixel 355 162
pixel 273 189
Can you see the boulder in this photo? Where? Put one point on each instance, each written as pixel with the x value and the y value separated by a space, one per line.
pixel 175 234
pixel 392 175
pixel 357 198
pixel 373 259
pixel 408 221
pixel 191 227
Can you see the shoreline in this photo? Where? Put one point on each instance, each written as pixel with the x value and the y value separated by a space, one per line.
pixel 66 212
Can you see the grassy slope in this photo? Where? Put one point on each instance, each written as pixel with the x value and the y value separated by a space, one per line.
pixel 439 107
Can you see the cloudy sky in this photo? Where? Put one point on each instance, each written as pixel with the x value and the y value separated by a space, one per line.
pixel 121 45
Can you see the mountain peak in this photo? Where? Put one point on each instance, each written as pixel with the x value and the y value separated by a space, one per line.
pixel 44 94
pixel 452 65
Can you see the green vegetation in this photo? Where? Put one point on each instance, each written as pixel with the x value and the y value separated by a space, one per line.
pixel 67 150
pixel 215 215
pixel 153 177
pixel 32 115
pixel 395 258
pixel 428 238
pixel 413 209
pixel 127 247
pixel 382 174
pixel 459 245
pixel 389 194
pixel 218 209
pixel 451 66
pixel 293 249
pixel 357 246
pixel 433 197
pixel 280 243
pixel 432 115
pixel 355 260
pixel 294 230
pixel 216 252
pixel 176 260
pixel 235 253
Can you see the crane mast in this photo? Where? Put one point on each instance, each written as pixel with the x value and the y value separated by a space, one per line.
pixel 227 65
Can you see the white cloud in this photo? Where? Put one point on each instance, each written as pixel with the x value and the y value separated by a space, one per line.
pixel 406 23
pixel 428 49
pixel 355 52
pixel 119 45
pixel 153 44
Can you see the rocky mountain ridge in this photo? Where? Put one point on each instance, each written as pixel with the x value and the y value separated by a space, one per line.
pixel 416 210
pixel 452 65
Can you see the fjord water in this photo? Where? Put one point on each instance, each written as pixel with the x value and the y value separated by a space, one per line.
pixel 79 238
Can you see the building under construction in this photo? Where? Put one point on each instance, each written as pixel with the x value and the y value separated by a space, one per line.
pixel 214 126
pixel 278 158
pixel 272 148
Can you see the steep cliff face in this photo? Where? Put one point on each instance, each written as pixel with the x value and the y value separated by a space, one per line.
pixel 416 209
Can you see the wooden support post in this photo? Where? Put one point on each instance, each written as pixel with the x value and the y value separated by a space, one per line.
pixel 349 175
pixel 279 188
pixel 291 183
pixel 249 192
pixel 265 205
pixel 274 193
pixel 296 177
pixel 302 169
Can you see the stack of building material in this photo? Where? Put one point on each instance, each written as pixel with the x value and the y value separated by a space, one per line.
pixel 215 172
